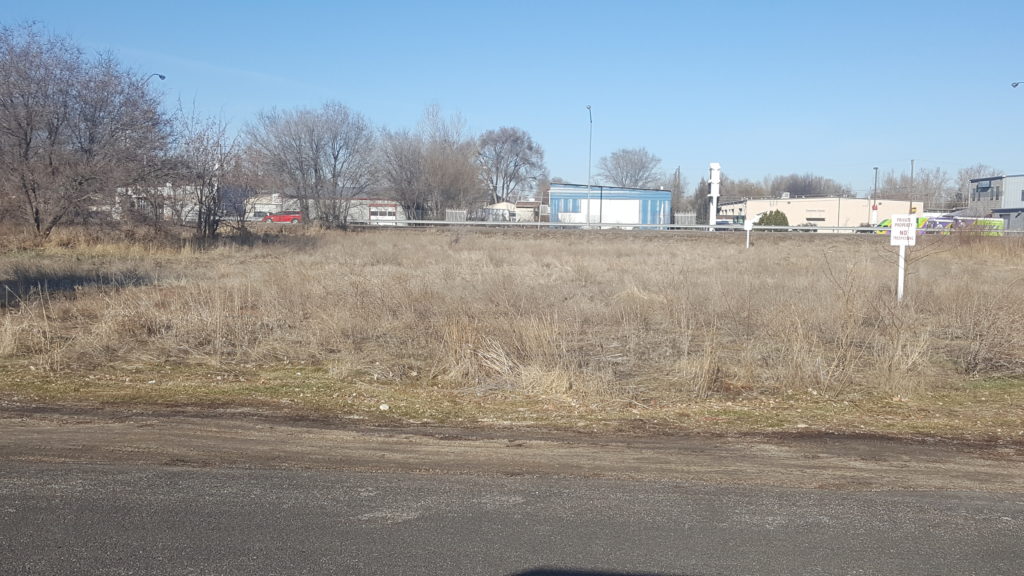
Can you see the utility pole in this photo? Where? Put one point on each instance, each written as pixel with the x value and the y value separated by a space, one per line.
pixel 911 184
pixel 590 152
pixel 873 208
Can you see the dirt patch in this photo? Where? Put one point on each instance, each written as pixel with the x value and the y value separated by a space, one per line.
pixel 225 438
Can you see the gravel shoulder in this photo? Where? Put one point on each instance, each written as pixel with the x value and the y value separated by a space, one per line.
pixel 215 438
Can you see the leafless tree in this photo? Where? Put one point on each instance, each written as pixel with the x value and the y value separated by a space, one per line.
pixel 796 185
pixel 73 129
pixel 894 186
pixel 348 161
pixel 403 166
pixel 741 189
pixel 630 168
pixel 244 177
pixel 452 178
pixel 699 202
pixel 807 186
pixel 510 161
pixel 933 187
pixel 964 177
pixel 433 168
pixel 543 189
pixel 326 155
pixel 203 154
pixel 677 183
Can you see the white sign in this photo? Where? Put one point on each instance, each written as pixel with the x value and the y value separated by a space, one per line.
pixel 904 230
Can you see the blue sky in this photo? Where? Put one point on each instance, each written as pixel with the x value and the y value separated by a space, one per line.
pixel 764 88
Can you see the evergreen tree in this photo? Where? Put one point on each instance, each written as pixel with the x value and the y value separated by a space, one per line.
pixel 773 218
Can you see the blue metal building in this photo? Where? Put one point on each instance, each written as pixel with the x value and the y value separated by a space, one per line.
pixel 610 205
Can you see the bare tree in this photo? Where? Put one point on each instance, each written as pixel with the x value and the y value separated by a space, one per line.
pixel 72 129
pixel 246 176
pixel 933 187
pixel 795 185
pixel 278 141
pixel 630 168
pixel 678 184
pixel 451 175
pixel 510 161
pixel 403 166
pixel 348 161
pixel 699 202
pixel 807 186
pixel 894 186
pixel 203 154
pixel 326 155
pixel 432 169
pixel 741 189
pixel 964 177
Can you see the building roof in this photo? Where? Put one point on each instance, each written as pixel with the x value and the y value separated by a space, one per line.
pixel 997 177
pixel 812 198
pixel 606 188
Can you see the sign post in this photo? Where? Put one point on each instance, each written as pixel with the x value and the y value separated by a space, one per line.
pixel 902 233
pixel 748 225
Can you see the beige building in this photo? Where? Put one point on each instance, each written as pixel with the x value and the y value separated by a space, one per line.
pixel 822 212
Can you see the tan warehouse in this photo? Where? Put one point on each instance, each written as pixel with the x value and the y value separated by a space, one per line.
pixel 822 212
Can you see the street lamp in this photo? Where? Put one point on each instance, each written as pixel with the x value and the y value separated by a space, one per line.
pixel 1015 84
pixel 590 162
pixel 150 77
pixel 873 204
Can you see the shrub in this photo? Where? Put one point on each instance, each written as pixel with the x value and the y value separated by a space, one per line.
pixel 773 218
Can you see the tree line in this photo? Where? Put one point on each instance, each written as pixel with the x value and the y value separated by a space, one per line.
pixel 83 138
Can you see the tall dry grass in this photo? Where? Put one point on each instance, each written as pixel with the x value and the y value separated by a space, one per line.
pixel 639 317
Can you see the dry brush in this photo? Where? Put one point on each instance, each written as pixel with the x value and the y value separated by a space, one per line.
pixel 633 317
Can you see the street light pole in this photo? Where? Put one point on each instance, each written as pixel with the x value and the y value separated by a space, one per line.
pixel 150 77
pixel 872 205
pixel 590 162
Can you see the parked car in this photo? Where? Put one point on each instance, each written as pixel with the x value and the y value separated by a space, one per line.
pixel 288 216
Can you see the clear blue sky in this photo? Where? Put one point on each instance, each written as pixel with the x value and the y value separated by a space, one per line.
pixel 764 88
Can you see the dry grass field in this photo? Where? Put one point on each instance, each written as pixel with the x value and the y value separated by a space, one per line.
pixel 652 331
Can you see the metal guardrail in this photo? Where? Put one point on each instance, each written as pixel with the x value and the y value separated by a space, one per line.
pixel 677 227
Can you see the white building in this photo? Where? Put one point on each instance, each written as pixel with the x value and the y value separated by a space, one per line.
pixel 262 204
pixel 822 212
pixel 167 202
pixel 360 210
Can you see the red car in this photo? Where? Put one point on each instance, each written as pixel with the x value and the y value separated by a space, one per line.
pixel 288 216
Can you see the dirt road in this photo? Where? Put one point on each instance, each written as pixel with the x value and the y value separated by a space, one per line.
pixel 240 440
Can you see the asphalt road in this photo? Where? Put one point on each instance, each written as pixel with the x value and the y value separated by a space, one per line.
pixel 118 518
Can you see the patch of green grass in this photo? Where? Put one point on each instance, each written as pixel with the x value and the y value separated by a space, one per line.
pixel 978 410
pixel 1008 385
